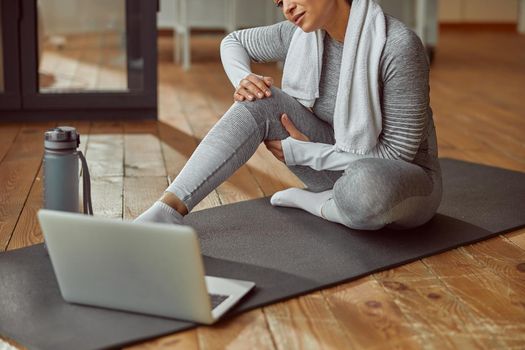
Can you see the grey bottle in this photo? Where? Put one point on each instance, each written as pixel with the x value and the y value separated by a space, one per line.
pixel 61 171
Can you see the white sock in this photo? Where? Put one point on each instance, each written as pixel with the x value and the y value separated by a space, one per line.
pixel 160 212
pixel 311 202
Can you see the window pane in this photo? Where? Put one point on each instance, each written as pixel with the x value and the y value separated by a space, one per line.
pixel 83 47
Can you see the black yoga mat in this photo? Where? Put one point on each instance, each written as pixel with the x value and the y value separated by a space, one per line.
pixel 286 251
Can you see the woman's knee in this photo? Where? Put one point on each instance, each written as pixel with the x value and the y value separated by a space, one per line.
pixel 265 109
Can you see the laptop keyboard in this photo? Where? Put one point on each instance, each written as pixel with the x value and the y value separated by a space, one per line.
pixel 217 299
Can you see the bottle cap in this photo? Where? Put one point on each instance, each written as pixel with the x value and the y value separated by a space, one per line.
pixel 62 137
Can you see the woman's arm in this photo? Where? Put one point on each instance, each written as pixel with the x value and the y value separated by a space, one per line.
pixel 261 44
pixel 405 108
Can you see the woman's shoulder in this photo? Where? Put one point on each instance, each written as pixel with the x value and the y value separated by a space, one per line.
pixel 403 47
pixel 400 38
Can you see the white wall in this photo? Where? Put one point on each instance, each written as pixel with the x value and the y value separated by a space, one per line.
pixel 484 11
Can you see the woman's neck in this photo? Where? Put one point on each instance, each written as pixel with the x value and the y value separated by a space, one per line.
pixel 336 26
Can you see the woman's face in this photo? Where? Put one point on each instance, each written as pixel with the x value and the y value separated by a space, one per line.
pixel 310 15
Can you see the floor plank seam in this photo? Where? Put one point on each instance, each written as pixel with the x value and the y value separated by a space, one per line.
pixel 510 241
pixel 12 143
pixel 267 324
pixel 23 206
pixel 337 320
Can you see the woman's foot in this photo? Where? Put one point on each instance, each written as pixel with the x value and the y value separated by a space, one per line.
pixel 160 212
pixel 311 202
pixel 320 204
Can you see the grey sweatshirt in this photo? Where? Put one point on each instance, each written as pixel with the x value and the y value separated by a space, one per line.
pixel 404 85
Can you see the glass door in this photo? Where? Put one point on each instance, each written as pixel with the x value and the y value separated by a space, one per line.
pixel 87 59
pixel 9 55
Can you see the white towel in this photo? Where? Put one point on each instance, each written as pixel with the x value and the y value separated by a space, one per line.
pixel 357 114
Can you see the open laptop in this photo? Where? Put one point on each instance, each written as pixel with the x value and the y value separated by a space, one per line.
pixel 150 268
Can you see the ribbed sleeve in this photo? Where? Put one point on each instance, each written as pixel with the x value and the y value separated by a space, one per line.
pixel 261 44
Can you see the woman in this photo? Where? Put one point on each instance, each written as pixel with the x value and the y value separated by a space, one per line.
pixel 352 120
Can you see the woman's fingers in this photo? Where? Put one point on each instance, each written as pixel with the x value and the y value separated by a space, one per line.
pixel 238 97
pixel 279 155
pixel 253 87
pixel 275 144
pixel 275 148
pixel 259 86
pixel 242 94
pixel 249 87
pixel 292 129
pixel 268 81
pixel 245 93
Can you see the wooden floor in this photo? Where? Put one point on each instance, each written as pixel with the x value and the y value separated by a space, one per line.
pixel 468 298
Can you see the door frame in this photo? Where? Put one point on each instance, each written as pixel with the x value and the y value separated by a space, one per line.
pixel 10 98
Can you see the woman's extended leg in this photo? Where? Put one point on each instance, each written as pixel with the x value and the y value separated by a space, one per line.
pixel 236 137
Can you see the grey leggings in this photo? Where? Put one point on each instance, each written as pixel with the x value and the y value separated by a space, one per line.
pixel 369 194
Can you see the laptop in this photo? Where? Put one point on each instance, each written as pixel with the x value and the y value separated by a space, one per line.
pixel 149 268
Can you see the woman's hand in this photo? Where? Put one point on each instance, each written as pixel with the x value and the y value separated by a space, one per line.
pixel 253 87
pixel 276 147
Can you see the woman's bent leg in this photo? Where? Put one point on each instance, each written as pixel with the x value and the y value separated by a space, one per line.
pixel 374 193
pixel 235 138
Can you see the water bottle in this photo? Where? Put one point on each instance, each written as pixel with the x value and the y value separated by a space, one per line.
pixel 61 171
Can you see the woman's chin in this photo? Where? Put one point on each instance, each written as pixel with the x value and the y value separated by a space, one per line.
pixel 306 28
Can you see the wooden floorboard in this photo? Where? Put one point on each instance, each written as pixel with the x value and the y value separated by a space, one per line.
pixel 431 307
pixel 8 134
pixel 497 315
pixel 370 317
pixel 18 171
pixel 467 298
